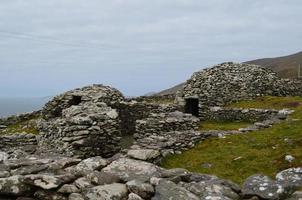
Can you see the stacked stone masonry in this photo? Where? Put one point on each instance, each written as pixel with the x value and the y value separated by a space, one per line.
pixel 230 82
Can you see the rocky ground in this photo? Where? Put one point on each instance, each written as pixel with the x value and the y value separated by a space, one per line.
pixel 122 178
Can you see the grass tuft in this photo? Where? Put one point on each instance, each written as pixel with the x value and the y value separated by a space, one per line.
pixel 25 127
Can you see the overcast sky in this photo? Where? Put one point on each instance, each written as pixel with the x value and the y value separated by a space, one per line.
pixel 137 46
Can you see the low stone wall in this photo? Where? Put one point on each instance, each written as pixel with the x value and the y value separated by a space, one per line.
pixel 155 98
pixel 239 114
pixel 11 120
pixel 131 111
pixel 24 142
pixel 170 142
pixel 165 122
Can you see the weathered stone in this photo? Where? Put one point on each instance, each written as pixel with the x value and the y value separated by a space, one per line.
pixel 92 164
pixel 13 186
pixel 75 196
pixel 46 181
pixel 144 190
pixel 3 156
pixel 4 174
pixel 262 186
pixel 48 195
pixel 133 196
pixel 143 154
pixel 83 183
pixel 174 172
pixel 211 190
pixel 167 190
pixel 114 191
pixel 29 170
pixel 102 178
pixel 291 178
pixel 68 189
pixel 128 169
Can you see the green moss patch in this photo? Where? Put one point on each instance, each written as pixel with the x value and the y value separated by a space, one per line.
pixel 26 127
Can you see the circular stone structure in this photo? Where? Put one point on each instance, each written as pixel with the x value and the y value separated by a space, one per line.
pixel 95 93
pixel 82 123
pixel 228 82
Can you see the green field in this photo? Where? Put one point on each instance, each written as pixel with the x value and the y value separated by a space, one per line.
pixel 238 156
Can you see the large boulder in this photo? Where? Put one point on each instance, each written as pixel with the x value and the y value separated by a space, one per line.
pixel 115 191
pixel 291 178
pixel 263 187
pixel 128 169
pixel 167 190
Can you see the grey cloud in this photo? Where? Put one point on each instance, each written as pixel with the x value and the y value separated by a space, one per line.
pixel 138 46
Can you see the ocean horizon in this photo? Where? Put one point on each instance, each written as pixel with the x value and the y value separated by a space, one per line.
pixel 16 105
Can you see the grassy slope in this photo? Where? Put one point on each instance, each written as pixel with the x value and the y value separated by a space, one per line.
pixel 238 156
pixel 225 126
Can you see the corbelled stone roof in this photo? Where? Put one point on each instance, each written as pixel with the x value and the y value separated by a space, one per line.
pixel 229 82
pixel 93 93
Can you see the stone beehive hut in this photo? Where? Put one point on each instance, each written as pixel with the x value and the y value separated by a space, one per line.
pixel 228 82
pixel 94 94
pixel 82 123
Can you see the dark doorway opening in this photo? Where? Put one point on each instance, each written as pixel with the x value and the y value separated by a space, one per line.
pixel 192 106
pixel 76 100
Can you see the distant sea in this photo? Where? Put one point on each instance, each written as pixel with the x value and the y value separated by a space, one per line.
pixel 12 106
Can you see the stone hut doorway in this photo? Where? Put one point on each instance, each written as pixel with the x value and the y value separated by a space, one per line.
pixel 192 106
pixel 76 100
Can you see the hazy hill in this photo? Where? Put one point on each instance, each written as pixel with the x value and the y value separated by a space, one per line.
pixel 286 67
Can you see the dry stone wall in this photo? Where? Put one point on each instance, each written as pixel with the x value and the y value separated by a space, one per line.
pixel 228 82
pixel 86 130
pixel 165 122
pixel 239 114
pixel 24 142
pixel 131 111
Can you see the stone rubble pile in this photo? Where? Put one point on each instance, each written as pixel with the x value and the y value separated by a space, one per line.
pixel 65 178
